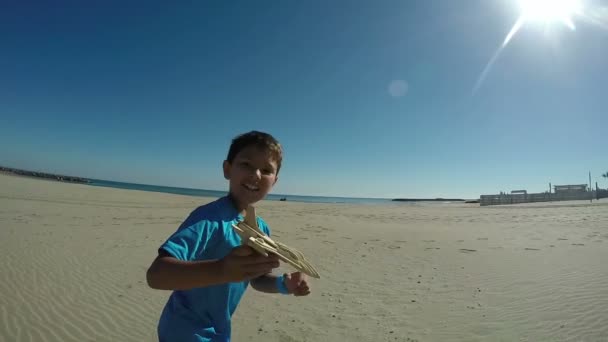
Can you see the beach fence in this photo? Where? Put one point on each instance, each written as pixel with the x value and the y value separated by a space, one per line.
pixel 561 193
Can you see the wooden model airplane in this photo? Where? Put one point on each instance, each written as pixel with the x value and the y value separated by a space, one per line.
pixel 253 237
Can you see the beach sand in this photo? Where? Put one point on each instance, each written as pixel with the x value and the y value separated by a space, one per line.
pixel 74 259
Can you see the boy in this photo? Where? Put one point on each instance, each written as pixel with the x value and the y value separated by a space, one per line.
pixel 204 263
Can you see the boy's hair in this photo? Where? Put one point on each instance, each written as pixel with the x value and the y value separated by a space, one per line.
pixel 259 139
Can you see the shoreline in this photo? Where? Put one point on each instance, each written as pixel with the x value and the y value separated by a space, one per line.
pixel 205 193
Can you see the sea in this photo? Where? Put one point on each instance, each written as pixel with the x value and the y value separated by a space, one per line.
pixel 216 194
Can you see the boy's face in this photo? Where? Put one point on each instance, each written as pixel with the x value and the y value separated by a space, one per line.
pixel 252 174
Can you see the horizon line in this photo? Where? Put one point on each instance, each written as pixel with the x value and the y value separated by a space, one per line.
pixel 216 190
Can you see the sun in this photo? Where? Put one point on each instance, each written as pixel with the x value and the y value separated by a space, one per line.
pixel 550 11
pixel 547 12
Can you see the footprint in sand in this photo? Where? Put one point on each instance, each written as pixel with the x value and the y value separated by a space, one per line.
pixel 464 250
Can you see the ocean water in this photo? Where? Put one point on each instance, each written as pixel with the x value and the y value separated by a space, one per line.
pixel 215 193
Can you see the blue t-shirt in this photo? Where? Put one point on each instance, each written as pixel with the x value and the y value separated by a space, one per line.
pixel 203 314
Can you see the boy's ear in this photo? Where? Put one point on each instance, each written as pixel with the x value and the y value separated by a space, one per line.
pixel 226 166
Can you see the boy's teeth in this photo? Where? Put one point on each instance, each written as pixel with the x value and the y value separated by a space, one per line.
pixel 251 187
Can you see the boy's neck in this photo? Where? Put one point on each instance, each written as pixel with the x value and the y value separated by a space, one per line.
pixel 241 208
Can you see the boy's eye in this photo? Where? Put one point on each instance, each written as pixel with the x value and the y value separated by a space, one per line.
pixel 248 165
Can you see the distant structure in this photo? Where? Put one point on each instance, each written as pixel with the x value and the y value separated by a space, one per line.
pixel 570 189
pixel 571 192
pixel 49 176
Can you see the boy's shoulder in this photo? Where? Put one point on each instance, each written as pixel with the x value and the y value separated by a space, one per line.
pixel 219 210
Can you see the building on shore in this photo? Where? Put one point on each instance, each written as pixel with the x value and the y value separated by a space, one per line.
pixel 570 192
pixel 570 189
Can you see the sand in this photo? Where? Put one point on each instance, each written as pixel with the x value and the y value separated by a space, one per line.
pixel 74 259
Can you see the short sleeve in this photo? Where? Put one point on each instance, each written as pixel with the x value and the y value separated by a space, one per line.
pixel 263 226
pixel 187 243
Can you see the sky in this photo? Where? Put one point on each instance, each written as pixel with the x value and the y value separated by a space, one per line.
pixel 368 98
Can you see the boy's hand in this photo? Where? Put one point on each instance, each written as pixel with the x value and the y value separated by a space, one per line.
pixel 297 284
pixel 243 263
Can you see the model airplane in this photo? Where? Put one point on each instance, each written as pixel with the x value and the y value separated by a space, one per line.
pixel 253 237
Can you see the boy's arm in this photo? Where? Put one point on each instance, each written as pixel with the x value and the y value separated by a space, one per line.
pixel 294 284
pixel 170 273
pixel 266 283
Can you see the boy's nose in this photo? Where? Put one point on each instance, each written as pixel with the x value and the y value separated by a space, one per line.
pixel 257 173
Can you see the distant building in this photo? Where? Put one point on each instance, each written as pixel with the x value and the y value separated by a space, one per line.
pixel 570 189
pixel 571 192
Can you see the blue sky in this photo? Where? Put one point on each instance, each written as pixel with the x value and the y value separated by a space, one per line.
pixel 152 93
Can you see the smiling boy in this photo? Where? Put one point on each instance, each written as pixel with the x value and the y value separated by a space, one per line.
pixel 203 262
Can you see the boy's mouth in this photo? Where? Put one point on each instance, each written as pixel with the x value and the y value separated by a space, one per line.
pixel 251 187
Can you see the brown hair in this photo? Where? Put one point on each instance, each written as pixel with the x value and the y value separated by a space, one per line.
pixel 259 139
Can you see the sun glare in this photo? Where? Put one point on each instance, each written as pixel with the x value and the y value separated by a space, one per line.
pixel 548 11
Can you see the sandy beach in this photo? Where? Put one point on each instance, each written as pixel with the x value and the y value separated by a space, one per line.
pixel 75 257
